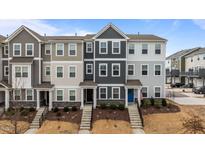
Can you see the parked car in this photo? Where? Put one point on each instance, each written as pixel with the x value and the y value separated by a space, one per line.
pixel 177 85
pixel 189 85
pixel 198 90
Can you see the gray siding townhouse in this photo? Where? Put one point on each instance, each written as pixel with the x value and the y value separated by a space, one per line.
pixel 59 71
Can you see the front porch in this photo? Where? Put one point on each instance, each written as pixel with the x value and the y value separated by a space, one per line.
pixel 5 88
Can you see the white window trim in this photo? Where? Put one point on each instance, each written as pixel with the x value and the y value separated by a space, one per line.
pixel 87 47
pixel 69 71
pixel 147 49
pixel 147 91
pixel 5 70
pixel 87 68
pixel 14 95
pixel 57 71
pixel 50 49
pixel 45 70
pixel 5 50
pixel 113 92
pixel 100 71
pixel 160 49
pixel 57 95
pixel 69 95
pixel 160 69
pixel 69 44
pixel 160 91
pixel 14 49
pixel 32 49
pixel 133 69
pixel 100 93
pixel 32 95
pixel 147 69
pixel 113 47
pixel 56 48
pixel 129 48
pixel 106 49
pixel 113 70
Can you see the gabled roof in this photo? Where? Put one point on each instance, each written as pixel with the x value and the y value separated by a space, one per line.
pixel 20 29
pixel 5 84
pixel 110 26
pixel 196 52
pixel 145 37
pixel 2 38
pixel 64 38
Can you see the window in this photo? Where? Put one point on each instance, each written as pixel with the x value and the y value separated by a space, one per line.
pixel 48 71
pixel 59 49
pixel 157 91
pixel 115 92
pixel 29 94
pixel 103 92
pixel 6 50
pixel 144 48
pixel 6 70
pixel 191 60
pixel 18 71
pixel 131 48
pixel 131 69
pixel 29 49
pixel 47 49
pixel 89 47
pixel 59 72
pixel 198 58
pixel 89 68
pixel 144 92
pixel 24 71
pixel 157 69
pixel 72 71
pixel 203 57
pixel 59 95
pixel 116 47
pixel 116 70
pixel 17 49
pixel 72 95
pixel 102 70
pixel 72 49
pixel 103 47
pixel 157 48
pixel 144 69
pixel 17 94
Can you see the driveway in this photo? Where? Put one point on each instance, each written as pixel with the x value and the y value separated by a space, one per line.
pixel 185 98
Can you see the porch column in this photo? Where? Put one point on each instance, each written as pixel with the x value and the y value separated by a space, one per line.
pixel 94 98
pixel 126 99
pixel 50 100
pixel 82 98
pixel 38 99
pixel 6 99
pixel 139 96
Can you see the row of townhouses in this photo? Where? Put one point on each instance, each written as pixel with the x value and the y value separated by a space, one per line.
pixel 59 71
pixel 186 66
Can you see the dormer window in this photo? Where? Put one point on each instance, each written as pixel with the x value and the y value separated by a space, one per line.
pixel 29 49
pixel 103 47
pixel 116 48
pixel 17 49
pixel 47 49
pixel 89 47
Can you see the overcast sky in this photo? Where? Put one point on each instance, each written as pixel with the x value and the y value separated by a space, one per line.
pixel 181 34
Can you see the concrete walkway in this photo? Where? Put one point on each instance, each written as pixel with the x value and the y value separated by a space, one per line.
pixel 31 131
pixel 86 119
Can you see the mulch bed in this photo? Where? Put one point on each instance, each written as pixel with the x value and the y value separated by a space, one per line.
pixel 110 114
pixel 70 116
pixel 170 108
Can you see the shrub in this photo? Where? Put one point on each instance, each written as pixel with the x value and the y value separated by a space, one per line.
pixel 157 101
pixel 164 102
pixel 65 109
pixel 103 105
pixel 31 109
pixel 10 109
pixel 24 112
pixel 146 102
pixel 157 106
pixel 74 108
pixel 21 109
pixel 58 114
pixel 152 101
pixel 113 106
pixel 121 106
pixel 55 109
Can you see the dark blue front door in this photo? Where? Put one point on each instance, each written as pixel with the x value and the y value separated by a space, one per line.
pixel 130 95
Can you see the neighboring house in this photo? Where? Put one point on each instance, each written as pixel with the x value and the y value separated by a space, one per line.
pixel 59 71
pixel 175 66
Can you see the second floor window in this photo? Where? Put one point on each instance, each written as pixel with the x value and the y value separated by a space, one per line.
pixel 29 49
pixel 48 71
pixel 59 72
pixel 89 47
pixel 144 48
pixel 144 69
pixel 6 70
pixel 25 72
pixel 47 49
pixel 59 49
pixel 157 48
pixel 17 49
pixel 72 49
pixel 116 48
pixel 102 70
pixel 116 70
pixel 17 71
pixel 131 69
pixel 89 68
pixel 131 49
pixel 72 71
pixel 157 69
pixel 6 50
pixel 103 47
